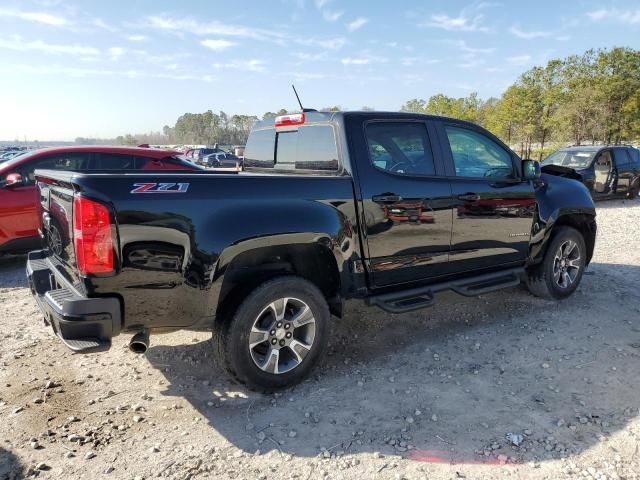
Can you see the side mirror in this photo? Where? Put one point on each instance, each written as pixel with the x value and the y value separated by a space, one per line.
pixel 13 180
pixel 530 170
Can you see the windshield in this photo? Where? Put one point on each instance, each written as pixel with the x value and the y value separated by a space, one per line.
pixel 571 159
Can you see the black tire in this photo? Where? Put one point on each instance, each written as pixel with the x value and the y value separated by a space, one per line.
pixel 540 278
pixel 634 191
pixel 231 339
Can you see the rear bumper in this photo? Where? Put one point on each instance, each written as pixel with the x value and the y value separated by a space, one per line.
pixel 83 324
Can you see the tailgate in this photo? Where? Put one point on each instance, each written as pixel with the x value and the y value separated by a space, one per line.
pixel 56 219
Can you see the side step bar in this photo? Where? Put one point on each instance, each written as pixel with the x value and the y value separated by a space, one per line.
pixel 416 298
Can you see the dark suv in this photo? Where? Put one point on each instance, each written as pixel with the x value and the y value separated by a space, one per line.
pixel 606 170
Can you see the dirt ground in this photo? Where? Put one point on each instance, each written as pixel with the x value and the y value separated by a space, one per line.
pixel 500 386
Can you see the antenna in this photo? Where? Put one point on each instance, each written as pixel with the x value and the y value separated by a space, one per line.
pixel 297 97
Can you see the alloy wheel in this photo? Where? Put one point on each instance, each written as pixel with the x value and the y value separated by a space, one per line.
pixel 566 264
pixel 282 335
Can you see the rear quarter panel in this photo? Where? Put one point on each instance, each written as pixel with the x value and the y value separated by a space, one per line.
pixel 174 248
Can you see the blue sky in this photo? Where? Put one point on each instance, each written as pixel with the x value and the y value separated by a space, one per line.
pixel 101 69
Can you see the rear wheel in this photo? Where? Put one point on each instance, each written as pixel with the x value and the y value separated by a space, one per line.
pixel 634 190
pixel 276 336
pixel 560 272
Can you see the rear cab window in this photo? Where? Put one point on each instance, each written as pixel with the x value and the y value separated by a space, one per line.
pixel 305 149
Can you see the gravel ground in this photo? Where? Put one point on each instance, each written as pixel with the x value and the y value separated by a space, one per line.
pixel 499 386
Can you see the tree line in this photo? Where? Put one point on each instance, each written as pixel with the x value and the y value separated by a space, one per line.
pixel 588 98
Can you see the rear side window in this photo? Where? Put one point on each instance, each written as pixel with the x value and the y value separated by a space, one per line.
pixel 114 161
pixel 476 155
pixel 622 157
pixel 400 147
pixel 260 148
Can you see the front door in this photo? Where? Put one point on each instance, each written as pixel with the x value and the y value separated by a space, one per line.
pixel 494 208
pixel 406 203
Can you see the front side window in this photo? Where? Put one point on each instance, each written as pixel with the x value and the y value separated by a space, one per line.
pixel 476 155
pixel 400 147
pixel 62 161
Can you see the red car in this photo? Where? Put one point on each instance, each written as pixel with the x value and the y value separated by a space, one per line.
pixel 19 196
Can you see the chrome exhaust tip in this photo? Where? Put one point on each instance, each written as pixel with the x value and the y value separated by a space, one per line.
pixel 140 342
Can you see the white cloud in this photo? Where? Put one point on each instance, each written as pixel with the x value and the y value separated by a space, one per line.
pixel 115 53
pixel 248 65
pixel 332 16
pixel 470 19
pixel 217 44
pixel 530 35
pixel 631 17
pixel 355 61
pixel 188 25
pixel 98 22
pixel 357 23
pixel 38 17
pixel 365 58
pixel 309 57
pixel 472 62
pixel 181 26
pixel 136 38
pixel 460 23
pixel 599 14
pixel 412 61
pixel 60 70
pixel 327 44
pixel 321 3
pixel 18 44
pixel 520 59
pixel 462 45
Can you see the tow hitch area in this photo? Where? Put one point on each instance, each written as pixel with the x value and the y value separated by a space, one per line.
pixel 83 324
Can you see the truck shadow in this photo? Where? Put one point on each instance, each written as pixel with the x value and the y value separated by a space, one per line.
pixel 12 271
pixel 613 203
pixel 447 384
pixel 10 466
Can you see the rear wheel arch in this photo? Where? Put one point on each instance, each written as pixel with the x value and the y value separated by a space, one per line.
pixel 315 263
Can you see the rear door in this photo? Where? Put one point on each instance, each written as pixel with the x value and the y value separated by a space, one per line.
pixel 624 170
pixel 493 207
pixel 406 201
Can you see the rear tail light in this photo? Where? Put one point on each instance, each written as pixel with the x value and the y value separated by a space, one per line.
pixel 92 236
pixel 287 120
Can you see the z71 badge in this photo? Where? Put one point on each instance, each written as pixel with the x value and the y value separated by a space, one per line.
pixel 160 188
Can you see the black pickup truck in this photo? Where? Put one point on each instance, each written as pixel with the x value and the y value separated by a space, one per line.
pixel 390 208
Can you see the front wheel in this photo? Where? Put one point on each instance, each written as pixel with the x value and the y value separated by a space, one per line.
pixel 276 336
pixel 560 272
pixel 634 190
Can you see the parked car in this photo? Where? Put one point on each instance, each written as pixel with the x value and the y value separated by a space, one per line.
pixel 199 154
pixel 264 259
pixel 222 159
pixel 19 196
pixel 606 170
pixel 9 155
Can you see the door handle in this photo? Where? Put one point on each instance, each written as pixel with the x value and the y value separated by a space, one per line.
pixel 469 197
pixel 387 198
